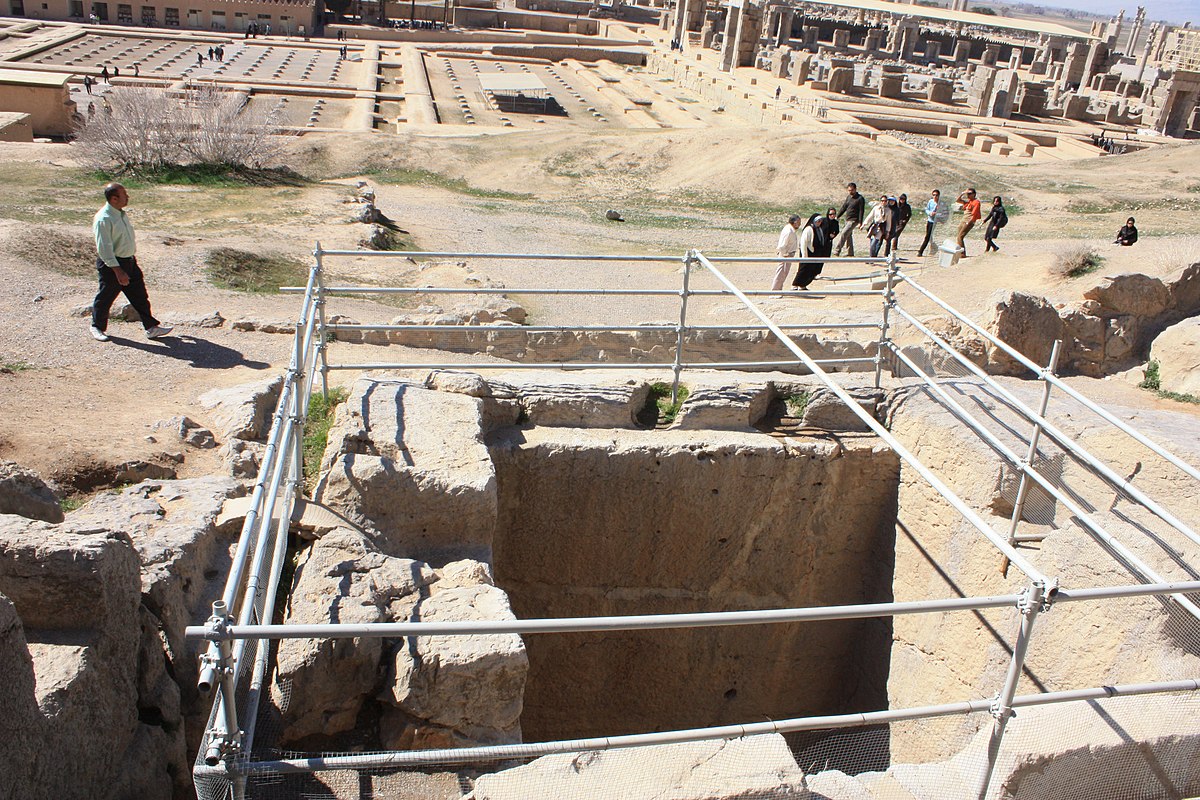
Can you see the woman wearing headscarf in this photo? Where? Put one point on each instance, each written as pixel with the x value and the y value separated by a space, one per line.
pixel 815 242
pixel 996 219
pixel 879 224
pixel 1128 233
pixel 832 226
pixel 903 215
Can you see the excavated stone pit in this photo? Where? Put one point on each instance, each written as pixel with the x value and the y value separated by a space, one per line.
pixel 598 522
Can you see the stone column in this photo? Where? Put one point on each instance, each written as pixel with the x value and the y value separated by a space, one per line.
pixel 1151 43
pixel 1004 91
pixel 1072 73
pixel 841 39
pixel 1114 33
pixel 991 54
pixel 812 35
pixel 729 38
pixel 801 65
pixel 874 41
pixel 941 90
pixel 909 34
pixel 933 51
pixel 1097 61
pixel 749 30
pixel 962 52
pixel 980 93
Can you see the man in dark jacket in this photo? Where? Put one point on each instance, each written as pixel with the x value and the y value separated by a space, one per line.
pixel 851 216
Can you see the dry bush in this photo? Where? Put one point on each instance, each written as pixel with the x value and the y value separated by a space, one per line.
pixel 1075 261
pixel 143 130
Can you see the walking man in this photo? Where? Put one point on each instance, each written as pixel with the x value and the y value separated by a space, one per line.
pixel 851 216
pixel 971 215
pixel 789 241
pixel 117 266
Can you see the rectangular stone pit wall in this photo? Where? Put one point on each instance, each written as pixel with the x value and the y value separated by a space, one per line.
pixel 606 522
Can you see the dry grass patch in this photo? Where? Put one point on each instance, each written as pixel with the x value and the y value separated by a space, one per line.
pixel 1075 261
pixel 244 271
pixel 61 251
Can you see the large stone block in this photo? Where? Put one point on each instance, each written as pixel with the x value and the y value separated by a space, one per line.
pixel 244 411
pixel 1028 324
pixel 1177 351
pixel 409 465
pixel 23 493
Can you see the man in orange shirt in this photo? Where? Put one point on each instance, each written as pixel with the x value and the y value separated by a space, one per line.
pixel 971 215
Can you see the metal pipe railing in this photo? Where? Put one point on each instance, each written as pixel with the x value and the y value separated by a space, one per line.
pixel 574 365
pixel 954 500
pixel 484 290
pixel 673 621
pixel 1131 561
pixel 516 328
pixel 1060 438
pixel 417 758
pixel 1104 413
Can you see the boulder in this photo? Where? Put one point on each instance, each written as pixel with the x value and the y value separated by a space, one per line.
pixel 724 406
pixel 825 410
pixel 187 430
pixel 20 720
pixel 77 594
pixel 474 685
pixel 1177 351
pixel 1185 290
pixel 242 458
pixel 244 411
pixel 753 766
pixel 320 684
pixel 576 405
pixel 1028 324
pixel 467 383
pixel 409 465
pixel 23 493
pixel 1130 293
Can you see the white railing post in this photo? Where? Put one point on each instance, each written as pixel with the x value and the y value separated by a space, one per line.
pixel 322 337
pixel 1034 600
pixel 1031 453
pixel 224 736
pixel 889 301
pixel 681 331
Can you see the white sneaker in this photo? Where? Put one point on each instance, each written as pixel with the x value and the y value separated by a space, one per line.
pixel 99 335
pixel 159 331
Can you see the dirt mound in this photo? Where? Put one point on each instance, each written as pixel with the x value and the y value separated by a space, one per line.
pixel 63 251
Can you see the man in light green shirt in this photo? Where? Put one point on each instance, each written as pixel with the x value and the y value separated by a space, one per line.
pixel 116 263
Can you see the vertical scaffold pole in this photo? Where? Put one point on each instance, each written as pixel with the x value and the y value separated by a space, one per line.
pixel 681 331
pixel 1035 599
pixel 889 300
pixel 223 743
pixel 1031 453
pixel 323 337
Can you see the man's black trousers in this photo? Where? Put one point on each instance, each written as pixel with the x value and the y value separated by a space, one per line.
pixel 135 292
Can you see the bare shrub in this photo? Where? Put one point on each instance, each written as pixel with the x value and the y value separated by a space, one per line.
pixel 1075 261
pixel 139 128
pixel 225 129
pixel 143 130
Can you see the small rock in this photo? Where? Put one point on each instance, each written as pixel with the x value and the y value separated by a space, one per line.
pixel 23 493
pixel 39 298
pixel 614 216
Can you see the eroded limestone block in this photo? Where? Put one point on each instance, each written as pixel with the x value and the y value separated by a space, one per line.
pixel 583 406
pixel 754 766
pixel 20 721
pixel 23 493
pixel 409 465
pixel 826 410
pixel 1028 324
pixel 187 430
pixel 243 411
pixel 474 685
pixel 724 406
pixel 1177 351
pixel 320 684
pixel 1130 293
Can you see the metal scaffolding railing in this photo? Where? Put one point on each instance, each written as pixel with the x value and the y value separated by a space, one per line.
pixel 236 666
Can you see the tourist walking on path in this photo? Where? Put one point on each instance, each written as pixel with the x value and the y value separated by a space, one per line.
pixel 814 243
pixel 104 73
pixel 996 219
pixel 903 215
pixel 936 212
pixel 880 223
pixel 971 215
pixel 116 263
pixel 1128 233
pixel 831 228
pixel 789 242
pixel 851 217
pixel 87 83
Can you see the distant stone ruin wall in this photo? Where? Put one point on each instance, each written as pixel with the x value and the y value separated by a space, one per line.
pixel 514 344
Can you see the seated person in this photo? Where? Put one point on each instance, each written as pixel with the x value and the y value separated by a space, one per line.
pixel 1128 234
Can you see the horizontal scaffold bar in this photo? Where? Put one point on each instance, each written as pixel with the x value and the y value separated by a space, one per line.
pixel 582 292
pixel 415 758
pixel 515 328
pixel 573 365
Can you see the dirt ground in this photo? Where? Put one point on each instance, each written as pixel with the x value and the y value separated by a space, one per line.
pixel 73 408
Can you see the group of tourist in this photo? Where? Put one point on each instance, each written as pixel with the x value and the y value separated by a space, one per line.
pixel 831 233
pixel 254 29
pixel 216 53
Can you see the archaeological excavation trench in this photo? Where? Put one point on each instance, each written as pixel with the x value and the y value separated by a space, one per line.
pixel 472 499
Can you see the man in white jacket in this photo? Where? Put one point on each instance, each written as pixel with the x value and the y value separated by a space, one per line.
pixel 789 242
